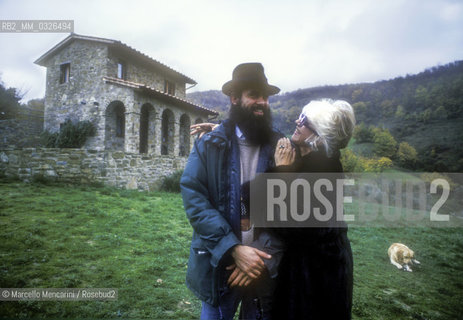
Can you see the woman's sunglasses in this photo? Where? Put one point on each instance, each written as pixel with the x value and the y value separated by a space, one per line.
pixel 303 121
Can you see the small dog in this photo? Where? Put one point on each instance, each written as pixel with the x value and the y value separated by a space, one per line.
pixel 402 256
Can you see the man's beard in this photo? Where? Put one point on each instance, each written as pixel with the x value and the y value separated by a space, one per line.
pixel 256 129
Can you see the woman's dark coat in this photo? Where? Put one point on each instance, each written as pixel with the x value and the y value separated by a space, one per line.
pixel 316 273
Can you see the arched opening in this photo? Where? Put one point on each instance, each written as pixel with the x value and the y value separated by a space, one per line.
pixel 167 132
pixel 146 128
pixel 184 136
pixel 198 120
pixel 115 126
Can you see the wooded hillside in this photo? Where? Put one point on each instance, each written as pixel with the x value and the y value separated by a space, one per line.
pixel 425 110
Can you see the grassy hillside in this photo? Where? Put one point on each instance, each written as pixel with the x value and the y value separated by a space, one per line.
pixel 58 236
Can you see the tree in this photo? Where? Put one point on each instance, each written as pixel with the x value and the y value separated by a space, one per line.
pixel 387 108
pixel 407 155
pixel 425 115
pixel 385 144
pixel 362 133
pixel 360 109
pixel 421 96
pixel 356 94
pixel 400 112
pixel 9 102
pixel 350 161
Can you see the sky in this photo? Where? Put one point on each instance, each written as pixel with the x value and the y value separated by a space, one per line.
pixel 301 43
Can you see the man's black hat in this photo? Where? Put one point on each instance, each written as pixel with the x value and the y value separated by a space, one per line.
pixel 249 75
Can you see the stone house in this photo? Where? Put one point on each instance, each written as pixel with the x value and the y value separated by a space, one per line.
pixel 137 104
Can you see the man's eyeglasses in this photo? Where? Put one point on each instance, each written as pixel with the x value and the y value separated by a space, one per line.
pixel 303 121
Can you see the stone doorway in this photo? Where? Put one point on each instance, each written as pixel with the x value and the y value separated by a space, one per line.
pixel 115 126
pixel 167 132
pixel 146 128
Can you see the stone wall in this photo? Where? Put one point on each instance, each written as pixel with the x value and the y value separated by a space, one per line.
pixel 112 168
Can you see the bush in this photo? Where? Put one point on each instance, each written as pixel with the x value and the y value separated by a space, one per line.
pixel 49 139
pixel 172 183
pixel 385 144
pixel 377 165
pixel 70 135
pixel 406 155
pixel 353 163
pixel 362 133
pixel 40 178
pixel 350 161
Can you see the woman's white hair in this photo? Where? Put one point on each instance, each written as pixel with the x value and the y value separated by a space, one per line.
pixel 333 121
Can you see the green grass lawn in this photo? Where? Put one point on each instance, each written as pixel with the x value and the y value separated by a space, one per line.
pixel 59 236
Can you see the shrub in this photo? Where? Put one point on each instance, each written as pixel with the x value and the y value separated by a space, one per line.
pixel 350 161
pixel 171 183
pixel 49 139
pixel 362 133
pixel 40 178
pixel 377 165
pixel 406 155
pixel 70 135
pixel 385 144
pixel 353 163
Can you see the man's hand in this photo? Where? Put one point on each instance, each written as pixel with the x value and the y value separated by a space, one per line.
pixel 249 260
pixel 238 277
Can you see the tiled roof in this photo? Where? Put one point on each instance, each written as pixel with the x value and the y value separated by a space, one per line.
pixel 158 94
pixel 115 43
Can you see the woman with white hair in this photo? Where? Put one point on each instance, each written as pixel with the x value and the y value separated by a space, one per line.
pixel 316 273
pixel 325 124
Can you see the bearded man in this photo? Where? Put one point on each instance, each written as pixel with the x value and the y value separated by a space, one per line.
pixel 225 265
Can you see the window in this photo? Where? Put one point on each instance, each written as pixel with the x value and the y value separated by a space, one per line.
pixel 65 72
pixel 169 87
pixel 121 70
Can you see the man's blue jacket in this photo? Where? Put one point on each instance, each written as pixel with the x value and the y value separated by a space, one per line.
pixel 210 188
